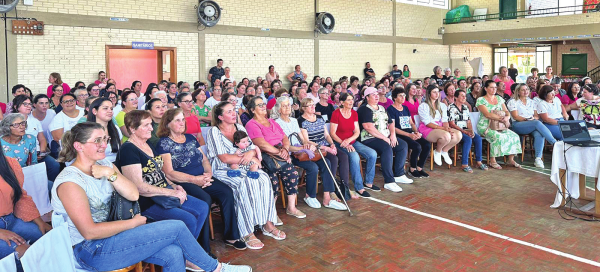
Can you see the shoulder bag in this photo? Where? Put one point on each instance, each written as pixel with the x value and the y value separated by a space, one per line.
pixel 303 156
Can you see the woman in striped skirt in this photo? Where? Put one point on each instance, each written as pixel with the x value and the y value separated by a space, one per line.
pixel 254 200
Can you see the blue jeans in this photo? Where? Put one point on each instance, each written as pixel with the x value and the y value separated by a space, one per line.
pixel 354 162
pixel 312 170
pixel 28 230
pixel 466 148
pixel 387 152
pixel 166 243
pixel 555 130
pixel 538 130
pixel 193 213
pixel 52 167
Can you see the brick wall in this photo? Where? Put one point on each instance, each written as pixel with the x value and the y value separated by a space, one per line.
pixel 280 14
pixel 372 17
pixel 422 62
pixel 344 58
pixel 585 48
pixel 418 21
pixel 251 56
pixel 163 10
pixel 78 53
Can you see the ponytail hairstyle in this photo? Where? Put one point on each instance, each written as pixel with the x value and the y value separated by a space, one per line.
pixel 7 173
pixel 115 140
pixel 79 133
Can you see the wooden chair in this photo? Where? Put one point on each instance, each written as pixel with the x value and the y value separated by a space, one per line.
pixel 524 138
pixel 417 123
pixel 138 267
pixel 302 178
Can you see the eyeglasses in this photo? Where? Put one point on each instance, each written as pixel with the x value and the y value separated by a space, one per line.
pixel 309 105
pixel 95 89
pixel 21 124
pixel 58 90
pixel 70 101
pixel 187 101
pixel 83 95
pixel 232 100
pixel 285 106
pixel 99 141
pixel 402 95
pixel 131 99
pixel 327 93
pixel 27 104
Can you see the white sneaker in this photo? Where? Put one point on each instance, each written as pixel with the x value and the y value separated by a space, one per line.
pixel 312 202
pixel 446 158
pixel 225 267
pixel 539 163
pixel 392 187
pixel 334 204
pixel 403 179
pixel 437 158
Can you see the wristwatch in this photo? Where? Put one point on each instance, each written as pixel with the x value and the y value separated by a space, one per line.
pixel 113 177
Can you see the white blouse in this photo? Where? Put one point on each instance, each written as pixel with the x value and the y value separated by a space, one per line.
pixel 526 111
pixel 426 117
pixel 554 109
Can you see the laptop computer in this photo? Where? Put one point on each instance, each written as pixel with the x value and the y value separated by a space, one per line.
pixel 576 133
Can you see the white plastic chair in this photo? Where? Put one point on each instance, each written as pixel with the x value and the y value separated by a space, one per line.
pixel 417 120
pixel 575 114
pixel 205 132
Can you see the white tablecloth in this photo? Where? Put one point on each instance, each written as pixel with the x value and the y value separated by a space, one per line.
pixel 580 160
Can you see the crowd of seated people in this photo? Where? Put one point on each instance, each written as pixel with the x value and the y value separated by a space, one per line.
pixel 180 148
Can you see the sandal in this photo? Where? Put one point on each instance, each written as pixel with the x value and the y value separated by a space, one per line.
pixel 468 169
pixel 252 242
pixel 279 236
pixel 482 167
pixel 495 165
pixel 297 214
pixel 515 164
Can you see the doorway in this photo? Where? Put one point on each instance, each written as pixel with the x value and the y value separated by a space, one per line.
pixel 125 65
pixel 508 9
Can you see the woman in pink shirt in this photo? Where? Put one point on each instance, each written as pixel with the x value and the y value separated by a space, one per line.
pixel 503 76
pixel 55 79
pixel 411 102
pixel 573 93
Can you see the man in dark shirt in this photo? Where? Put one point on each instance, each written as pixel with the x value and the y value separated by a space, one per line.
pixel 395 73
pixel 513 72
pixel 368 70
pixel 216 72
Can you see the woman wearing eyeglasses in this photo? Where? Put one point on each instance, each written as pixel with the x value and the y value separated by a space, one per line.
pixel 15 143
pixel 129 103
pixel 323 107
pixel 66 119
pixel 192 123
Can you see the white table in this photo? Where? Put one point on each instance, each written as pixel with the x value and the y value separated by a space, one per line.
pixel 580 162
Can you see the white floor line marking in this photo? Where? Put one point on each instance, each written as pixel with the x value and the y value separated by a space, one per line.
pixel 549 250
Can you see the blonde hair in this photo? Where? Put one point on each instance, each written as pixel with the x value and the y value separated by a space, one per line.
pixel 515 94
pixel 437 103
pixel 79 133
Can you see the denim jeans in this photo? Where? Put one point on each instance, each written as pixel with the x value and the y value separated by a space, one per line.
pixel 538 130
pixel 52 167
pixel 420 150
pixel 354 162
pixel 223 195
pixel 466 148
pixel 387 152
pixel 555 130
pixel 312 169
pixel 193 213
pixel 166 243
pixel 28 230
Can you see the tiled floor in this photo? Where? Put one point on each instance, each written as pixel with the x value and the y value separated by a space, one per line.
pixel 380 237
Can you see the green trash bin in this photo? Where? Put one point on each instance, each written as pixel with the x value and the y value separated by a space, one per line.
pixel 456 15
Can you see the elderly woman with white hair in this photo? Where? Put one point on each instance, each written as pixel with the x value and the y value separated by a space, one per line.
pixel 439 77
pixel 15 142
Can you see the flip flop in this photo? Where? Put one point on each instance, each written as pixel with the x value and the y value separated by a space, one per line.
pixel 468 169
pixel 515 164
pixel 483 167
pixel 495 165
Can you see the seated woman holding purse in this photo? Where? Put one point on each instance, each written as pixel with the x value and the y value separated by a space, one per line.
pixel 525 119
pixel 492 115
pixel 82 194
pixel 160 199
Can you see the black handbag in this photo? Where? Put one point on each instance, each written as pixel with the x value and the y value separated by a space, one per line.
pixel 122 208
pixel 167 202
pixel 345 190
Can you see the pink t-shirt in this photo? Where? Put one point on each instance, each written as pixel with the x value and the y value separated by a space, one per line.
pixel 412 108
pixel 508 84
pixel 66 89
pixel 273 134
pixel 566 100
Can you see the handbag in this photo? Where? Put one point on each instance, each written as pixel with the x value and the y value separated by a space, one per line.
pixel 167 202
pixel 122 208
pixel 272 163
pixel 302 156
pixel 495 124
pixel 345 191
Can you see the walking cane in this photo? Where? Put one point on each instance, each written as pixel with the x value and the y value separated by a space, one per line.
pixel 334 182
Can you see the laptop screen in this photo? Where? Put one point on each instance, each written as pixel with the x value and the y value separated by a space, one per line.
pixel 574 131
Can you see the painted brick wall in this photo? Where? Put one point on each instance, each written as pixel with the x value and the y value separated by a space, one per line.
pixel 251 56
pixel 593 61
pixel 78 53
pixel 280 14
pixel 418 21
pixel 164 10
pixel 458 52
pixel 344 58
pixel 422 62
pixel 372 17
